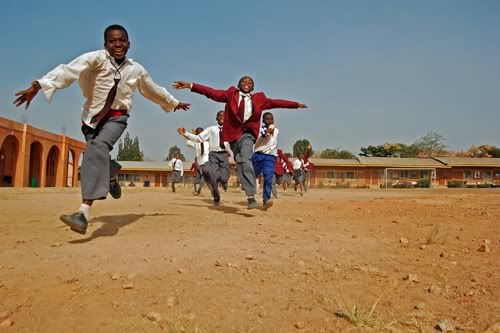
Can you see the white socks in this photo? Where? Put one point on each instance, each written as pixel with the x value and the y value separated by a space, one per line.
pixel 85 209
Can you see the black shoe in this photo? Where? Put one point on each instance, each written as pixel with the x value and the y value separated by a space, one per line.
pixel 115 189
pixel 216 203
pixel 77 222
pixel 251 203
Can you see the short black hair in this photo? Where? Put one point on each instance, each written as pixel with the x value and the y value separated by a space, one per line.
pixel 114 27
pixel 220 112
pixel 267 114
pixel 199 129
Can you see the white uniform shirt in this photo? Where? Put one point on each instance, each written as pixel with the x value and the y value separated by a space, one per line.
pixel 297 164
pixel 96 72
pixel 177 165
pixel 268 143
pixel 202 159
pixel 248 105
pixel 210 134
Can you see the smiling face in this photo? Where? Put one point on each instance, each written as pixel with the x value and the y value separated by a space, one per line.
pixel 117 44
pixel 246 84
pixel 268 119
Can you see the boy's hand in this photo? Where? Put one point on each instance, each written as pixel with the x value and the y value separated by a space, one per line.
pixel 181 131
pixel 183 106
pixel 302 106
pixel 181 85
pixel 26 96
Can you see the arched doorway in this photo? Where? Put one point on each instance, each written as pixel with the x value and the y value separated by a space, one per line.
pixel 8 160
pixel 51 167
pixel 71 164
pixel 36 150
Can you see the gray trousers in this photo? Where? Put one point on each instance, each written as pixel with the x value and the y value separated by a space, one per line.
pixel 97 167
pixel 216 171
pixel 243 151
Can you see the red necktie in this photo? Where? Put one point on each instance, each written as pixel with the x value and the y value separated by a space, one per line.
pixel 221 139
pixel 241 109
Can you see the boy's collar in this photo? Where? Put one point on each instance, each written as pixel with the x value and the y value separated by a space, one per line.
pixel 127 59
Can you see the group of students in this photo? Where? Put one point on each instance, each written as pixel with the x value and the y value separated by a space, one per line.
pixel 108 80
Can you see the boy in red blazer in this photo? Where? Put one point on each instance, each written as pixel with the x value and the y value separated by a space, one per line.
pixel 242 117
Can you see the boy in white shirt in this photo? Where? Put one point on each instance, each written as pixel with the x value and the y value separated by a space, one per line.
pixel 201 150
pixel 264 157
pixel 108 81
pixel 177 170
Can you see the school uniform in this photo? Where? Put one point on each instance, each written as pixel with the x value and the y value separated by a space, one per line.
pixel 216 169
pixel 283 169
pixel 177 171
pixel 242 115
pixel 298 168
pixel 264 159
pixel 201 151
pixel 108 89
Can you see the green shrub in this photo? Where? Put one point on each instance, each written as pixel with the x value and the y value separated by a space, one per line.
pixel 423 183
pixel 455 183
pixel 484 185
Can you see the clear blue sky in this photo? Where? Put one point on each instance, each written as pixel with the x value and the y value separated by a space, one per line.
pixel 370 71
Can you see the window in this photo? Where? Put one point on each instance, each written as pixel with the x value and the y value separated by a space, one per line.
pixel 404 173
pixel 424 174
pixel 350 175
pixel 330 174
pixel 487 174
pixel 477 174
pixel 413 174
pixel 497 173
pixel 467 174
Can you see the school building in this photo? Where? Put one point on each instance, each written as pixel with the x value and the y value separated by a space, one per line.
pixel 31 157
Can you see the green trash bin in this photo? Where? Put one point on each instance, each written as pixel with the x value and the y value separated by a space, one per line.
pixel 33 181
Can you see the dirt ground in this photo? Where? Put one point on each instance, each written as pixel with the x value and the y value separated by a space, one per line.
pixel 155 261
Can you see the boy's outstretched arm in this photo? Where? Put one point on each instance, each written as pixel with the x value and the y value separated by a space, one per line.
pixel 214 94
pixel 26 96
pixel 282 104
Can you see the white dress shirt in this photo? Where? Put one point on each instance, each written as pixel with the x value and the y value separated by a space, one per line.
pixel 210 134
pixel 268 143
pixel 248 105
pixel 297 164
pixel 201 158
pixel 96 72
pixel 176 164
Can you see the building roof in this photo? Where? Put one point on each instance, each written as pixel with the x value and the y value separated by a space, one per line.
pixel 333 162
pixel 397 162
pixel 469 161
pixel 150 165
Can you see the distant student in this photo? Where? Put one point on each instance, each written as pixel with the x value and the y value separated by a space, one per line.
pixel 177 170
pixel 283 171
pixel 298 169
pixel 242 116
pixel 201 151
pixel 264 157
pixel 308 167
pixel 108 80
pixel 216 170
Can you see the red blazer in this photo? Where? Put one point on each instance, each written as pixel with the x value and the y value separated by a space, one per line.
pixel 310 165
pixel 279 170
pixel 233 124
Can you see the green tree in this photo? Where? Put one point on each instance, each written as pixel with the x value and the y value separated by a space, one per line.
pixel 129 150
pixel 484 151
pixel 375 151
pixel 172 151
pixel 431 144
pixel 300 147
pixel 336 154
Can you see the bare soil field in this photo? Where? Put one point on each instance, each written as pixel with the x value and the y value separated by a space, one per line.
pixel 332 261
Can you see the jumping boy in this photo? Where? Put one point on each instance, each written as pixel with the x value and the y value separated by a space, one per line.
pixel 242 116
pixel 264 157
pixel 216 170
pixel 201 151
pixel 108 81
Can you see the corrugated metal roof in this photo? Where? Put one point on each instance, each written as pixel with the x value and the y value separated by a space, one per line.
pixel 469 161
pixel 333 162
pixel 396 162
